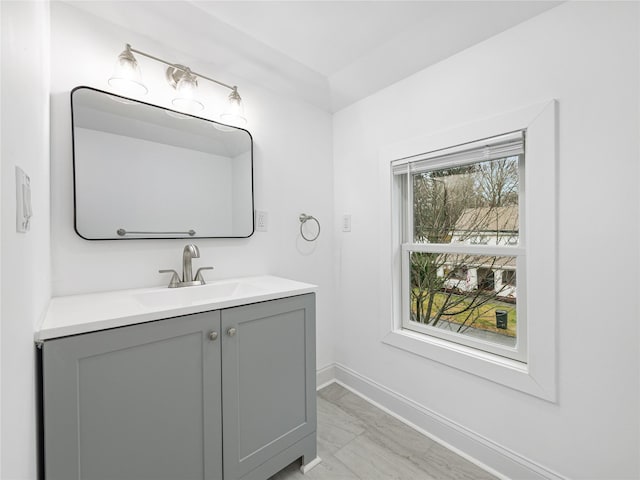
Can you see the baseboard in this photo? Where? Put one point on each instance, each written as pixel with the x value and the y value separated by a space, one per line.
pixel 487 454
pixel 325 376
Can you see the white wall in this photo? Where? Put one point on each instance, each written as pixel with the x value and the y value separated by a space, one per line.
pixel 1 134
pixel 585 54
pixel 25 256
pixel 292 174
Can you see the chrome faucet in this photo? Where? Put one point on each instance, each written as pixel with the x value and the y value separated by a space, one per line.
pixel 190 251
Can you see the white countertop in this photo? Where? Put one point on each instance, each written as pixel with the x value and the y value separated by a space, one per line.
pixel 76 314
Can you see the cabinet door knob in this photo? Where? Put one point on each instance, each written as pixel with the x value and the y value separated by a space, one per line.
pixel 231 332
pixel 213 335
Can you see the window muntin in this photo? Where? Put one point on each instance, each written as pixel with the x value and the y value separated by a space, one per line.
pixel 461 214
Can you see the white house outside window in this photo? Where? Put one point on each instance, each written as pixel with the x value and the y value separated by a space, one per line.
pixel 462 244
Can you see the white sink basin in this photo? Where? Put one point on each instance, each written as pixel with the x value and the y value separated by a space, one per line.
pixel 183 296
pixel 91 312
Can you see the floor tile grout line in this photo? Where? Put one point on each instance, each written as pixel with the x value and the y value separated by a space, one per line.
pixel 379 435
pixel 373 436
pixel 368 425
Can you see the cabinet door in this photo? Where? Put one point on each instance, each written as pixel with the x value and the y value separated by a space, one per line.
pixel 139 402
pixel 268 373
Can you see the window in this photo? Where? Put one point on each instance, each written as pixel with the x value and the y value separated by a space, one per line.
pixel 496 266
pixel 459 224
pixel 509 277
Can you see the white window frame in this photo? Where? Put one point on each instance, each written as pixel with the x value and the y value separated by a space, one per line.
pixel 536 373
pixel 402 199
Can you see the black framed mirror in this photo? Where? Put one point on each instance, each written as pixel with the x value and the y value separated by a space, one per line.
pixel 143 171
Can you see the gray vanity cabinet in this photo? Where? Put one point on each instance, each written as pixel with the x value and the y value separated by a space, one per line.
pixel 177 399
pixel 141 402
pixel 269 388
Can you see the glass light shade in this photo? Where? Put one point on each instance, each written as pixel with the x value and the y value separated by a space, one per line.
pixel 186 90
pixel 234 110
pixel 127 77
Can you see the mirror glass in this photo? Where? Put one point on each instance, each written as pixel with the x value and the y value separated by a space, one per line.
pixel 142 171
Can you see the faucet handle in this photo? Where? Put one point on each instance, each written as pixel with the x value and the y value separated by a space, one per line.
pixel 199 277
pixel 175 278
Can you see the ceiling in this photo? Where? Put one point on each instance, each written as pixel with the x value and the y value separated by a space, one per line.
pixel 328 53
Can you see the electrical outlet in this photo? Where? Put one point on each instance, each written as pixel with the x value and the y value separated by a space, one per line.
pixel 262 220
pixel 346 223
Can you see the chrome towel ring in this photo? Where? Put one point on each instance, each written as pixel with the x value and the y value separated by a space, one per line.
pixel 304 218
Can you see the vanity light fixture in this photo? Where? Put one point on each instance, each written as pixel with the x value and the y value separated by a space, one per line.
pixel 234 109
pixel 126 74
pixel 127 78
pixel 186 85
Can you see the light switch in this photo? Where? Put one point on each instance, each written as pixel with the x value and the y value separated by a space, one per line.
pixel 23 201
pixel 346 223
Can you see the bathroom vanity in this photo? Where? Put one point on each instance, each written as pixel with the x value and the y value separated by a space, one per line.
pixel 208 382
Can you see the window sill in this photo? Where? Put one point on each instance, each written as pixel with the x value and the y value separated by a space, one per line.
pixel 501 370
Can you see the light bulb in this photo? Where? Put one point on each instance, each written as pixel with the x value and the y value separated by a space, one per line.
pixel 186 90
pixel 234 111
pixel 127 77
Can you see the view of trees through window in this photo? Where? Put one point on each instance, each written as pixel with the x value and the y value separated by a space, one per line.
pixel 467 293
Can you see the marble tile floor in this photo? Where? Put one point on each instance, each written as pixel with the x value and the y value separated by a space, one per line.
pixel 358 441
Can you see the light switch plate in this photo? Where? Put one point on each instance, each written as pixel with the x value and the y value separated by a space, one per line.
pixel 23 201
pixel 346 222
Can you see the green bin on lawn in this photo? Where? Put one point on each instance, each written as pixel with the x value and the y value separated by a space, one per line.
pixel 501 319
